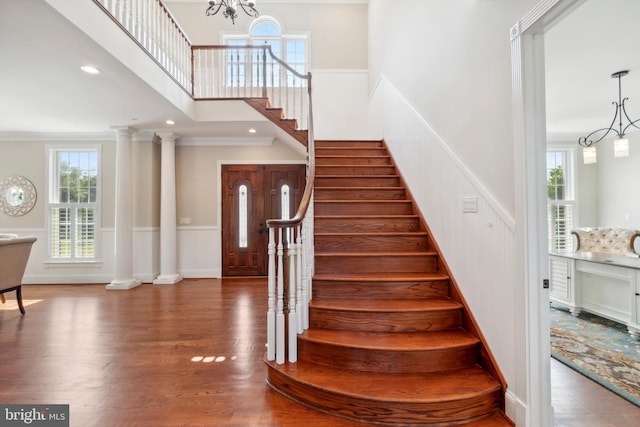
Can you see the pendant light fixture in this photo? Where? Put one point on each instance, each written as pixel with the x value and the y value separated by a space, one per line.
pixel 621 144
pixel 230 8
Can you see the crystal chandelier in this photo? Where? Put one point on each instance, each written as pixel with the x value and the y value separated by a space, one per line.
pixel 230 8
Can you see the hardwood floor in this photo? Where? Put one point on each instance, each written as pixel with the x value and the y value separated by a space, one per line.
pixel 189 354
pixel 580 402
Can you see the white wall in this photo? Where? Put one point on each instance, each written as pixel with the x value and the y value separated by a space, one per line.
pixel 618 190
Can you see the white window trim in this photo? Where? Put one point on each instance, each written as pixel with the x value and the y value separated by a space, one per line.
pixel 50 167
pixel 571 175
pixel 284 35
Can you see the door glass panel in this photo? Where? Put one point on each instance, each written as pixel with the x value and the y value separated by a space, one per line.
pixel 284 202
pixel 242 216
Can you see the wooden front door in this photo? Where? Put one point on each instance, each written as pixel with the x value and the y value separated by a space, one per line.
pixel 251 194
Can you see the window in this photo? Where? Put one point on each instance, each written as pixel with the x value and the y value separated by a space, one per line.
pixel 73 204
pixel 560 196
pixel 242 67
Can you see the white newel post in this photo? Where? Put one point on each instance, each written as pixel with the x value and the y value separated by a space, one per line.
pixel 168 240
pixel 123 245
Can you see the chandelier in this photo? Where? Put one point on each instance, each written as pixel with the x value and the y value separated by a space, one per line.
pixel 230 8
pixel 621 144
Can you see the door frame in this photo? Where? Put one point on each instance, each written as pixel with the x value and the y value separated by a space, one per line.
pixel 219 163
pixel 529 131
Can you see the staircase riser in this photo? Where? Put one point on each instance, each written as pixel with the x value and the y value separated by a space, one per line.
pixel 375 264
pixel 366 243
pixel 411 290
pixel 357 181
pixel 351 151
pixel 357 170
pixel 385 321
pixel 342 144
pixel 338 225
pixel 336 160
pixel 359 194
pixel 363 208
pixel 388 361
pixel 389 413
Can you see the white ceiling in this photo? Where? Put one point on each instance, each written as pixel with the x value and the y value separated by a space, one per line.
pixel 581 52
pixel 43 90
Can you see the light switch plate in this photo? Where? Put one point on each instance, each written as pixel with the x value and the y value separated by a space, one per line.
pixel 470 204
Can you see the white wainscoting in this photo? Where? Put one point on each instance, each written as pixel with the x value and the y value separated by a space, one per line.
pixel 41 270
pixel 478 247
pixel 199 251
pixel 198 256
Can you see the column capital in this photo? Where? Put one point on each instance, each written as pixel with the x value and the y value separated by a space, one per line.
pixel 168 136
pixel 124 130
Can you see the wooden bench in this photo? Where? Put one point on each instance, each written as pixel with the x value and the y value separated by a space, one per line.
pixel 14 254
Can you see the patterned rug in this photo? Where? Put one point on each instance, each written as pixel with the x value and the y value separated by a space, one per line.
pixel 598 348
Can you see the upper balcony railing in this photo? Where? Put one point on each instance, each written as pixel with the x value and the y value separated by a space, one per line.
pixel 211 72
pixel 243 71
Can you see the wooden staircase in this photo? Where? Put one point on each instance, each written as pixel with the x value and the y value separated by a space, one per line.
pixel 391 341
pixel 277 116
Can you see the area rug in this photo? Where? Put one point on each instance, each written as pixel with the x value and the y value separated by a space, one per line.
pixel 598 348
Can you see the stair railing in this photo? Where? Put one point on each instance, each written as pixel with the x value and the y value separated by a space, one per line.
pixel 211 72
pixel 249 71
pixel 153 28
pixel 292 238
pixel 243 71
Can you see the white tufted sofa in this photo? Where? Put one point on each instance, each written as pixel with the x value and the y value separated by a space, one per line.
pixel 617 241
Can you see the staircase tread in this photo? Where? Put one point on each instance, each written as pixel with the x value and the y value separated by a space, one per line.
pixel 392 341
pixel 385 216
pixel 385 305
pixel 361 187
pixel 374 253
pixel 350 175
pixel 372 233
pixel 399 387
pixel 365 201
pixel 352 156
pixel 381 277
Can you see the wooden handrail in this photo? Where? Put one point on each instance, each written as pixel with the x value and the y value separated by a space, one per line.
pixel 311 174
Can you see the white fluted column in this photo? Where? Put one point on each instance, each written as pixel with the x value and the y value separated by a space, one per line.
pixel 123 245
pixel 168 241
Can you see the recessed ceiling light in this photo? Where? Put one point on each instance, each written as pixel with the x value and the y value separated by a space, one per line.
pixel 252 130
pixel 170 122
pixel 90 69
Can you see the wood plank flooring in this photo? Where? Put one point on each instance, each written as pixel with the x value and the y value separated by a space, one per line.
pixel 189 354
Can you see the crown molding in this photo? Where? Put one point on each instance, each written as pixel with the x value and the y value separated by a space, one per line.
pixel 57 136
pixel 222 141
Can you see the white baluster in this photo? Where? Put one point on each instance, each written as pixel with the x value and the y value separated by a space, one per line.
pixel 280 337
pixel 306 278
pixel 293 318
pixel 299 293
pixel 271 299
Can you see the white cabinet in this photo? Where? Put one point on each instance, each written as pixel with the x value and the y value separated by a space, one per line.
pixel 561 290
pixel 602 284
